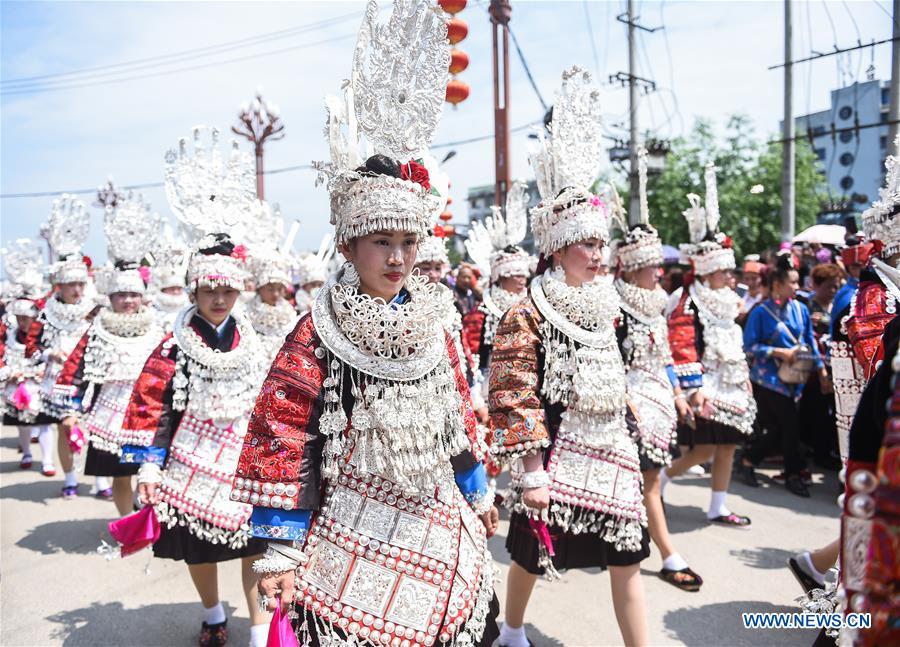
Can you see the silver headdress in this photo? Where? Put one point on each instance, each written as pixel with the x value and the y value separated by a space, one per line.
pixel 67 230
pixel 22 263
pixel 709 250
pixel 131 230
pixel 565 165
pixel 640 246
pixel 493 245
pixel 215 201
pixel 880 220
pixel 170 259
pixel 265 242
pixel 394 99
pixel 313 268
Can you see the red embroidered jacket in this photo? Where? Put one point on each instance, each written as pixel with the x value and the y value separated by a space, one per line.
pixel 866 325
pixel 283 446
pixel 686 342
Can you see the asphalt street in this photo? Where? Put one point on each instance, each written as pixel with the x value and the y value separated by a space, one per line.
pixel 56 589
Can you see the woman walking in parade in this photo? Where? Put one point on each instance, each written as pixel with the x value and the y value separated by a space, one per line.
pixel 190 406
pixel 557 389
pixel 650 380
pixel 362 460
pixel 708 353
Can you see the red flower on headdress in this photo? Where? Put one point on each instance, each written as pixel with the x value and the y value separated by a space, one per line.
pixel 439 231
pixel 87 261
pixel 239 252
pixel 727 243
pixel 144 271
pixel 415 172
pixel 40 303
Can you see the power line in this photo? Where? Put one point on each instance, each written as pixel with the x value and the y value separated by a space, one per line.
pixel 175 57
pixel 527 70
pixel 181 69
pixel 275 171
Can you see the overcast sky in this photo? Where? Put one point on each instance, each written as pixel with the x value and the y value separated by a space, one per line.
pixel 709 61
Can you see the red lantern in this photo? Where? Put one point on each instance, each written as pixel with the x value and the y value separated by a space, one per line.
pixel 457 91
pixel 449 230
pixel 452 7
pixel 457 30
pixel 446 216
pixel 459 61
pixel 449 199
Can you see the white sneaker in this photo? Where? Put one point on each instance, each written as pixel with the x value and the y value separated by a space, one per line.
pixel 696 470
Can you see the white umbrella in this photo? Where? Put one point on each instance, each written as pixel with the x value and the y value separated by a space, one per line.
pixel 823 234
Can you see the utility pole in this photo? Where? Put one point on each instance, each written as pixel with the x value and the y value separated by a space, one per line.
pixel 634 144
pixel 894 107
pixel 501 11
pixel 787 164
pixel 259 121
pixel 634 83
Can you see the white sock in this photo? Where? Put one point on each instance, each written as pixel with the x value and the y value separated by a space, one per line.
pixel 214 615
pixel 805 561
pixel 259 635
pixel 513 636
pixel 663 482
pixel 34 432
pixel 717 505
pixel 45 438
pixel 71 480
pixel 674 562
pixel 103 483
pixel 25 440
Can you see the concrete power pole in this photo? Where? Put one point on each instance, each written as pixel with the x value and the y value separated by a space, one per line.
pixel 634 144
pixel 894 107
pixel 787 165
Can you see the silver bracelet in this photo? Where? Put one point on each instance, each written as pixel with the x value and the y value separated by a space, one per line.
pixel 483 503
pixel 149 473
pixel 275 561
pixel 680 396
pixel 531 480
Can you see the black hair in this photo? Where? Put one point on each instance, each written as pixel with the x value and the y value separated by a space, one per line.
pixel 126 265
pixel 778 273
pixel 512 249
pixel 222 247
pixel 380 165
pixel 570 203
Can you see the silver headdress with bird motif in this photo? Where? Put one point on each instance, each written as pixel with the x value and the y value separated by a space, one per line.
pixel 494 244
pixel 66 231
pixel 393 100
pixel 214 199
pixel 640 245
pixel 710 249
pixel 565 165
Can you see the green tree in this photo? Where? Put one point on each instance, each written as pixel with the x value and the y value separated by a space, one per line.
pixel 753 220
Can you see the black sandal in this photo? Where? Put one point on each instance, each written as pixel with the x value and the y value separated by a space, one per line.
pixel 732 519
pixel 802 577
pixel 671 576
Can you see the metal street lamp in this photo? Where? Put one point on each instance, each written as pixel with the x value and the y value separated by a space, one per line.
pixel 259 121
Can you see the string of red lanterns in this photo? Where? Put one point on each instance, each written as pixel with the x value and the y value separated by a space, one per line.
pixel 457 30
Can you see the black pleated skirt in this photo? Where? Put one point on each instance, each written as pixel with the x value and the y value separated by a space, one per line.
pixel 709 432
pixel 10 420
pixel 177 543
pixel 102 463
pixel 586 550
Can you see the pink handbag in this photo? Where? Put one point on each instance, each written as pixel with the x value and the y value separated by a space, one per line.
pixel 136 531
pixel 281 632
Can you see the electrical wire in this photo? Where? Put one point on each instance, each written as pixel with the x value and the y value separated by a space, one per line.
pixel 191 68
pixel 91 73
pixel 527 69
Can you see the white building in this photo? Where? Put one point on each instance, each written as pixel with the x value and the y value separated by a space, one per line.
pixel 851 160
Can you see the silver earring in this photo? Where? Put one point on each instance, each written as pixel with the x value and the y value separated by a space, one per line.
pixel 350 276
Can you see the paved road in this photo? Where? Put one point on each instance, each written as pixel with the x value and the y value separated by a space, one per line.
pixel 57 591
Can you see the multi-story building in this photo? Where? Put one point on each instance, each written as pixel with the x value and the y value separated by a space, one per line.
pixel 851 157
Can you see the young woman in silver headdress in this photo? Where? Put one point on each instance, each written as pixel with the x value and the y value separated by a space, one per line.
pixel 362 460
pixel 651 384
pixel 557 389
